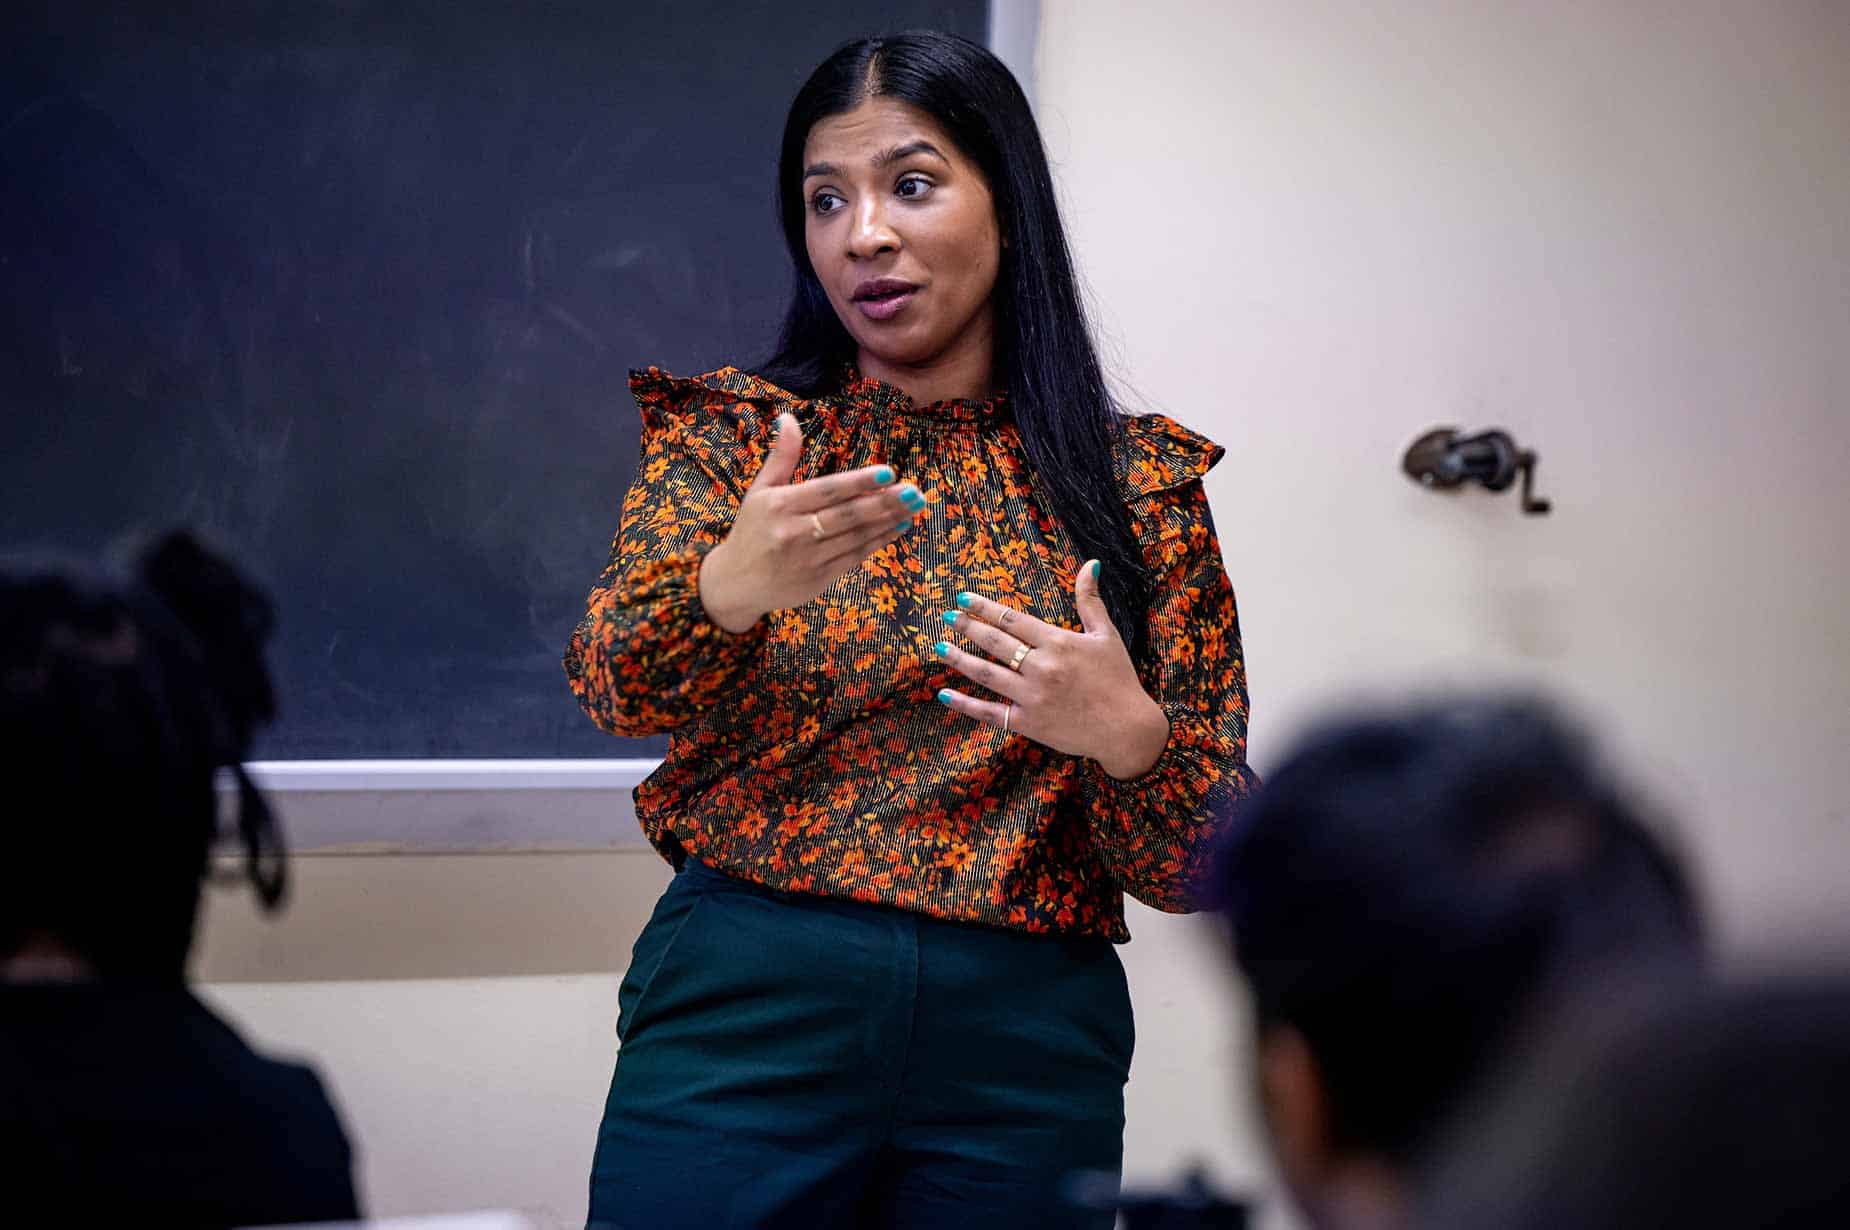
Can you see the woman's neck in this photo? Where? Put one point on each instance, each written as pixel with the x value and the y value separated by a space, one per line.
pixel 966 371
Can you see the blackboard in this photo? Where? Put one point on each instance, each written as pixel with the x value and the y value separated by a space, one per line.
pixel 354 287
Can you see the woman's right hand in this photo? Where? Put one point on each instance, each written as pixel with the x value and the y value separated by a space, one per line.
pixel 792 541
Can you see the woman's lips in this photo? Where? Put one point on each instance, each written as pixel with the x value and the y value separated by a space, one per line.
pixel 885 307
pixel 883 298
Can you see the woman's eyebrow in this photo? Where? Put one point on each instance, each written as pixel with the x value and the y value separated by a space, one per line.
pixel 885 158
pixel 889 157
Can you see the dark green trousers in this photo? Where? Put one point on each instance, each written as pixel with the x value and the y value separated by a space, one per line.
pixel 792 1061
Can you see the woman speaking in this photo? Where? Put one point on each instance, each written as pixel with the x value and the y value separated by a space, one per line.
pixel 949 662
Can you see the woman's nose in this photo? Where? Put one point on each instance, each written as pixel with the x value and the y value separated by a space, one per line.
pixel 872 233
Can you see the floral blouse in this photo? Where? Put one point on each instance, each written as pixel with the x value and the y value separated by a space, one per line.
pixel 810 753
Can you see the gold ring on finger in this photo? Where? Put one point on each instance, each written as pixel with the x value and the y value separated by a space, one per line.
pixel 1020 655
pixel 1008 715
pixel 815 527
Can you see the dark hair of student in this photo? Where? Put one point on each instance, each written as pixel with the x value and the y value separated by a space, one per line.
pixel 1068 421
pixel 120 699
pixel 1411 891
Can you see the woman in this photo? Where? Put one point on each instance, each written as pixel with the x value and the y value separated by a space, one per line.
pixel 950 663
pixel 123 1099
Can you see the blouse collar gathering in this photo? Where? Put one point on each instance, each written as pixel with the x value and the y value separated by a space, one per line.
pixel 865 392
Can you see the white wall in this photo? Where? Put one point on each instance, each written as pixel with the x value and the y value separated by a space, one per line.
pixel 462 1008
pixel 1621 230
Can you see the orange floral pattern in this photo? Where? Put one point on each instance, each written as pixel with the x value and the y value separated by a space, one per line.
pixel 810 754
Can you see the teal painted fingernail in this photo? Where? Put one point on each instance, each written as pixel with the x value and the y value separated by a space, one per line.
pixel 950 617
pixel 904 526
pixel 910 497
pixel 1095 570
pixel 965 599
pixel 883 475
pixel 944 696
pixel 944 649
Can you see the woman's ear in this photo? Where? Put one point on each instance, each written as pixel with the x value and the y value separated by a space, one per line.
pixel 1296 1105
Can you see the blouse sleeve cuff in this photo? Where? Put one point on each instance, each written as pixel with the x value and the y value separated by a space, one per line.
pixel 680 584
pixel 666 593
pixel 1182 771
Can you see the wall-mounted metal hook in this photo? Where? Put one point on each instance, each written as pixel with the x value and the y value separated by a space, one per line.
pixel 1442 458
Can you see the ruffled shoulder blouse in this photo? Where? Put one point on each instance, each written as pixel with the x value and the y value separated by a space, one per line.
pixel 810 753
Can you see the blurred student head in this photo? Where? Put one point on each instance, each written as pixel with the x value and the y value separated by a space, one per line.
pixel 120 699
pixel 1408 897
pixel 1725 1110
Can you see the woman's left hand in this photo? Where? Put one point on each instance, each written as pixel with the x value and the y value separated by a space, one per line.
pixel 1076 692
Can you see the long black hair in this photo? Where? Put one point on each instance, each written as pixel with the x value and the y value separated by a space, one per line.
pixel 120 700
pixel 1068 421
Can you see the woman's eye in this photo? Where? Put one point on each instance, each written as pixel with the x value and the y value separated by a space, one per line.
pixel 825 202
pixel 913 187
